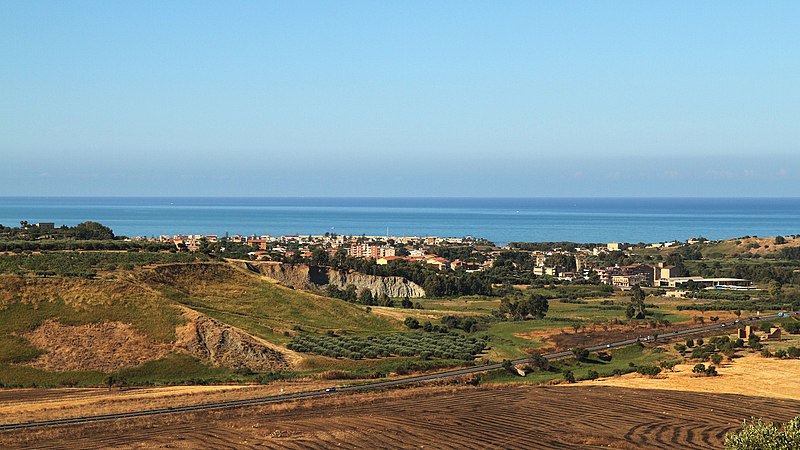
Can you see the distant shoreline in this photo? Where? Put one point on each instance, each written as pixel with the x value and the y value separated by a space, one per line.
pixel 500 220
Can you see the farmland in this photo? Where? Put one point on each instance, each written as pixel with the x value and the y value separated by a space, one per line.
pixel 441 417
pixel 426 345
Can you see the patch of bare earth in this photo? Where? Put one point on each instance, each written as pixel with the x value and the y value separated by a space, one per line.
pixel 748 375
pixel 104 347
pixel 224 345
pixel 508 417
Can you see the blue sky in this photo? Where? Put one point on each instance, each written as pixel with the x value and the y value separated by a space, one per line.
pixel 400 98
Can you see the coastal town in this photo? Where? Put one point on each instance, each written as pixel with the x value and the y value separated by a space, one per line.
pixel 574 264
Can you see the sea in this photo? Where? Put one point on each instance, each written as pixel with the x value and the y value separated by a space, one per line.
pixel 500 220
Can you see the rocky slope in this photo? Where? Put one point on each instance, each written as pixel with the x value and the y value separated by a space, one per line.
pixel 301 276
pixel 223 345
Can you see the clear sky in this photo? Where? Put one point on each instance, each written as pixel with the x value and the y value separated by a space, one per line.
pixel 404 98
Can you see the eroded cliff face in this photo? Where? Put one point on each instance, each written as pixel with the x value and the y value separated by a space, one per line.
pixel 223 345
pixel 301 276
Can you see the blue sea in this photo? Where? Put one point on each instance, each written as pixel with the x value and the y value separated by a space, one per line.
pixel 501 220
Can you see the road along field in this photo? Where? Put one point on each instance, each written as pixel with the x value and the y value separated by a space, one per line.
pixel 520 416
pixel 33 405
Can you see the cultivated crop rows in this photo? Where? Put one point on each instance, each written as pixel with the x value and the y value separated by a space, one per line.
pixel 428 345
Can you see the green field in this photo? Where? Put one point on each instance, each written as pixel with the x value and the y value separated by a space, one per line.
pixel 623 360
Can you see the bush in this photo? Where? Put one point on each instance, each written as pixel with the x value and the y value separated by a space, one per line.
pixel 792 327
pixel 581 354
pixel 592 375
pixel 648 370
pixel 699 368
pixel 765 436
pixel 411 323
pixel 569 377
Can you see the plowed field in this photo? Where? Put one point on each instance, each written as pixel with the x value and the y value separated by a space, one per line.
pixel 443 418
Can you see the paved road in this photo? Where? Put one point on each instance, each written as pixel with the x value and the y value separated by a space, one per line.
pixel 369 386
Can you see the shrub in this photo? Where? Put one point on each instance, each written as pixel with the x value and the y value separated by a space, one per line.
pixel 648 370
pixel 699 368
pixel 569 377
pixel 581 354
pixel 411 323
pixel 765 436
pixel 592 375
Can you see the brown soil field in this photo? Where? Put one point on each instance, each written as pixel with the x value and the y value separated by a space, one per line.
pixel 567 340
pixel 512 417
pixel 748 375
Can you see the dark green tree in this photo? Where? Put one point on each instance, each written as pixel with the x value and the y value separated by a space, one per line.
pixel 92 231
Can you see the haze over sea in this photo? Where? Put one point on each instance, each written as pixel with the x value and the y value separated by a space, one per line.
pixel 501 220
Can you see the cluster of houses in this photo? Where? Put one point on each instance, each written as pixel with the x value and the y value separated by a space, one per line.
pixel 627 276
pixel 378 248
pixel 384 250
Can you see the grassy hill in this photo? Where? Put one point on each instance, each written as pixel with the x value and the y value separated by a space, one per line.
pixel 147 303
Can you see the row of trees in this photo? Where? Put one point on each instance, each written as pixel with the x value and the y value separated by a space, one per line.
pixel 365 297
pixel 438 345
pixel 82 231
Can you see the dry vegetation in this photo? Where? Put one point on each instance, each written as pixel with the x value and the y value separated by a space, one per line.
pixel 440 417
pixel 105 346
pixel 26 405
pixel 748 375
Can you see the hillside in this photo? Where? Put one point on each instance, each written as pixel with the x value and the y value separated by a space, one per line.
pixel 301 276
pixel 159 323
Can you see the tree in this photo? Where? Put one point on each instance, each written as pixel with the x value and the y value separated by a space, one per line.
pixel 569 377
pixel 630 311
pixel 760 435
pixel 92 231
pixel 365 297
pixel 411 323
pixel 636 309
pixel 780 240
pixel 538 362
pixel 754 342
pixel 699 368
pixel 774 288
pixel 406 303
pixel 581 354
pixel 319 257
pixel 350 293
